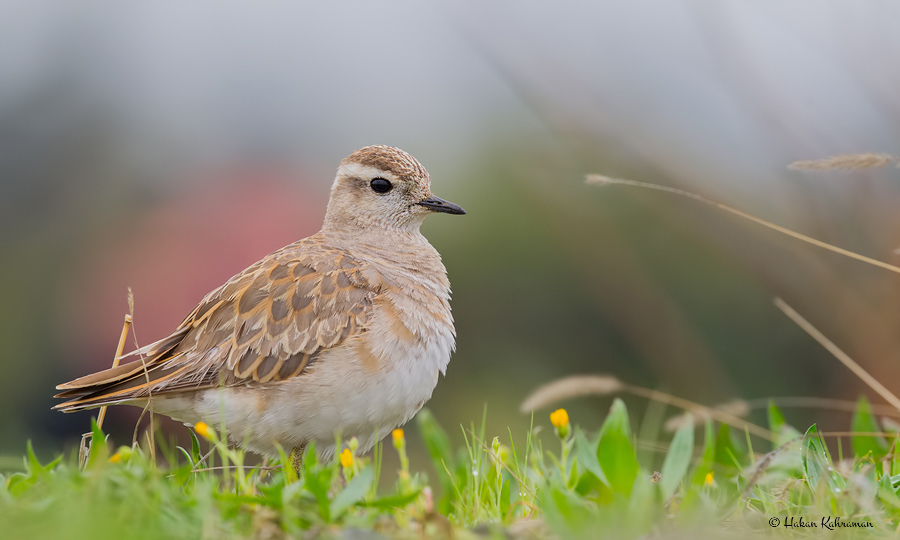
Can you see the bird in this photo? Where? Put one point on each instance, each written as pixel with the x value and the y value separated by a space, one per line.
pixel 343 332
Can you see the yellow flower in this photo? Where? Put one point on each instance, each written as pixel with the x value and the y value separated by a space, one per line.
pixel 204 430
pixel 121 455
pixel 346 458
pixel 709 479
pixel 559 418
pixel 400 445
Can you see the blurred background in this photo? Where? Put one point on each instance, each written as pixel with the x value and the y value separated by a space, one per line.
pixel 165 146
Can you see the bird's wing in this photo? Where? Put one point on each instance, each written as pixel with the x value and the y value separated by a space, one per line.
pixel 268 323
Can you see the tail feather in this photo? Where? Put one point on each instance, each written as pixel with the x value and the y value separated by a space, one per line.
pixel 100 378
pixel 125 382
pixel 140 385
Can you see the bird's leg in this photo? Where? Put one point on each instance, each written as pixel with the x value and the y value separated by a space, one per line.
pixel 295 461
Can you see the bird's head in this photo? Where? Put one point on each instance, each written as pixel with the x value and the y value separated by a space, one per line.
pixel 383 186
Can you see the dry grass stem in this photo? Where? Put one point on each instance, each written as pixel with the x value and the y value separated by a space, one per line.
pixel 86 439
pixel 569 387
pixel 601 385
pixel 119 349
pixel 890 424
pixel 697 409
pixel 820 403
pixel 597 179
pixel 845 162
pixel 765 462
pixel 738 408
pixel 887 434
pixel 839 354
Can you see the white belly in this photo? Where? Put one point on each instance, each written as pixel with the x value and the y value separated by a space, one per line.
pixel 339 396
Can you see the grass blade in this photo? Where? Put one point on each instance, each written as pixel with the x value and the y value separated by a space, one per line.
pixel 864 422
pixel 353 493
pixel 615 452
pixel 677 461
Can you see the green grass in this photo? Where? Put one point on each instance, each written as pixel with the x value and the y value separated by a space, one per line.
pixel 562 483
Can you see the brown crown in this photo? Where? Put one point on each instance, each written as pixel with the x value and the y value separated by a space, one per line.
pixel 388 158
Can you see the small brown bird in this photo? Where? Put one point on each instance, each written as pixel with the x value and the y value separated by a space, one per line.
pixel 344 331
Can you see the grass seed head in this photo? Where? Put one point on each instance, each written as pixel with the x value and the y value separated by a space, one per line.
pixel 569 387
pixel 844 162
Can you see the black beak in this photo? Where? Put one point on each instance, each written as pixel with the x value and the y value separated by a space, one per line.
pixel 437 204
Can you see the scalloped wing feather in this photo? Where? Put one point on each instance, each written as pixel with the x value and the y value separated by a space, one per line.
pixel 267 324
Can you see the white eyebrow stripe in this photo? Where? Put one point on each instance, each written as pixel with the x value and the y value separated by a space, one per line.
pixel 357 170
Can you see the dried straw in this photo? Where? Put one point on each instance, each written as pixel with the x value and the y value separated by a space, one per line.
pixel 583 385
pixel 819 403
pixel 598 179
pixel 738 408
pixel 838 353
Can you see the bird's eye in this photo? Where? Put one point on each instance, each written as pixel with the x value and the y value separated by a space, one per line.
pixel 380 185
